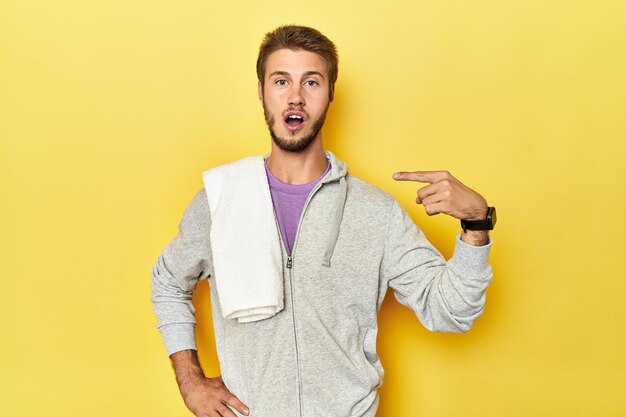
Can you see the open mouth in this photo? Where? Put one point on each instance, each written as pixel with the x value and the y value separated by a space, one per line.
pixel 294 120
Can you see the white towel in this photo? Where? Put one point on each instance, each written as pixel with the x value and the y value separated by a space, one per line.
pixel 245 241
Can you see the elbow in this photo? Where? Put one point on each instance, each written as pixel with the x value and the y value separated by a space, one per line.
pixel 449 323
pixel 463 327
pixel 457 327
pixel 459 314
pixel 465 324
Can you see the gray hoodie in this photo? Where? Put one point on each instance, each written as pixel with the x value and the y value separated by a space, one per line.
pixel 317 357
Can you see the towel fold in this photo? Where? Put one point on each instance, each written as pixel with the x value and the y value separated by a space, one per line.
pixel 245 240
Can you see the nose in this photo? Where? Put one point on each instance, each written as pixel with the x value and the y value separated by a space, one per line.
pixel 295 95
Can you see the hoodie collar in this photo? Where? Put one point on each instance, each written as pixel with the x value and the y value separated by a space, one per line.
pixel 338 168
pixel 338 171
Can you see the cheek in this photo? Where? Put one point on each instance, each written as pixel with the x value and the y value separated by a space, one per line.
pixel 270 104
pixel 274 98
pixel 320 101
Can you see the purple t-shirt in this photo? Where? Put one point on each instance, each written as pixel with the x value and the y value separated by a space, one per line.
pixel 288 202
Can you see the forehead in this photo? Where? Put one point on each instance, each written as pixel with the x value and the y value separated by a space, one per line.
pixel 295 62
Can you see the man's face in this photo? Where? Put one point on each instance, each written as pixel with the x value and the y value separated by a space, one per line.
pixel 295 97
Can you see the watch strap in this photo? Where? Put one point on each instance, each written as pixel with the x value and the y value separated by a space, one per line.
pixel 486 224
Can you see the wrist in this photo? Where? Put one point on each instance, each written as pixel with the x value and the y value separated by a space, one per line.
pixel 487 222
pixel 475 237
pixel 187 367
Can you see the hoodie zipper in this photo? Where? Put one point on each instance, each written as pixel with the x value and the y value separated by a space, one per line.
pixel 306 204
pixel 291 281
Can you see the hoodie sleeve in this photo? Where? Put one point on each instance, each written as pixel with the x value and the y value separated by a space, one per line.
pixel 175 274
pixel 445 296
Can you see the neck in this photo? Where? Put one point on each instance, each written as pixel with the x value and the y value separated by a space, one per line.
pixel 298 167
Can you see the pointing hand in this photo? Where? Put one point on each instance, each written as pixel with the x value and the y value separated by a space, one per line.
pixel 445 194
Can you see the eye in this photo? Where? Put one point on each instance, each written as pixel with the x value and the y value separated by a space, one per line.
pixel 281 82
pixel 311 83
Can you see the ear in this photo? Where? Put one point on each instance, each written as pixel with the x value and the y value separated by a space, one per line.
pixel 260 91
pixel 332 93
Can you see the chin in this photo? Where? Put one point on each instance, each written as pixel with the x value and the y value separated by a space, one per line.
pixel 291 144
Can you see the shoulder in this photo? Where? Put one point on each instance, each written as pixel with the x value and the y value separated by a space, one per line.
pixel 199 199
pixel 198 210
pixel 247 163
pixel 363 191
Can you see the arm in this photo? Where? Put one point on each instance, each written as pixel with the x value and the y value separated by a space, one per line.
pixel 174 277
pixel 445 296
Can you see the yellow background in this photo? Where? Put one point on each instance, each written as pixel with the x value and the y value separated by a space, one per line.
pixel 110 111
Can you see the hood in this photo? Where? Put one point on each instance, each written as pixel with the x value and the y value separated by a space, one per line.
pixel 338 171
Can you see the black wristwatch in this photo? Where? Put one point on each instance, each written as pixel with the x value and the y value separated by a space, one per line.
pixel 487 224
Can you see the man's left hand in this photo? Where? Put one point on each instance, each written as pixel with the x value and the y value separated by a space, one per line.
pixel 445 194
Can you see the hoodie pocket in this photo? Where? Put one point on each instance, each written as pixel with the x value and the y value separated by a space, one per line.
pixel 371 361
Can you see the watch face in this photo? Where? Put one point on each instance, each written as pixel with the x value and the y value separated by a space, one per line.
pixel 492 215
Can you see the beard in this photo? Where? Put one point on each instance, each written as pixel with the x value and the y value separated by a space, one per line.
pixel 294 145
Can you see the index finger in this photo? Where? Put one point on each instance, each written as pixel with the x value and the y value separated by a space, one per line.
pixel 421 176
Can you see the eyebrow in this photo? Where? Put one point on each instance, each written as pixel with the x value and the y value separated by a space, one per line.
pixel 306 74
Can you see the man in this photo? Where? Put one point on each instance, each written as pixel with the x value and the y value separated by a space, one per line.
pixel 342 243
